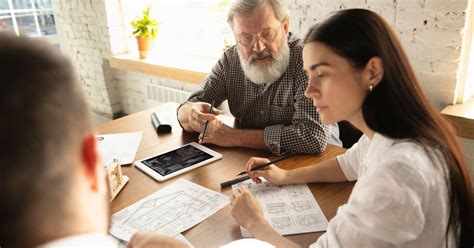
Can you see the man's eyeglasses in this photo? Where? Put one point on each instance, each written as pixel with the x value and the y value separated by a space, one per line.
pixel 266 36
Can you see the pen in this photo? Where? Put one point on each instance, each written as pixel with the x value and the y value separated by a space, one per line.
pixel 240 179
pixel 265 165
pixel 207 123
pixel 234 181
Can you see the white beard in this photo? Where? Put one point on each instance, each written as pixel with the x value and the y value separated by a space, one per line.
pixel 264 74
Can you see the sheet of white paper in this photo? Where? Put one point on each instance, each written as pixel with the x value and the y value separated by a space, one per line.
pixel 290 209
pixel 169 211
pixel 122 146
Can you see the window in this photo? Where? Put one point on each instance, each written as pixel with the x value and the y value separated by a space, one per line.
pixel 28 17
pixel 470 72
pixel 191 27
pixel 465 79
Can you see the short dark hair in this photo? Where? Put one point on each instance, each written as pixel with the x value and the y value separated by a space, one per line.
pixel 397 107
pixel 44 118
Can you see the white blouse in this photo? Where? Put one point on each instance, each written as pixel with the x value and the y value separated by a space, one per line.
pixel 83 240
pixel 399 200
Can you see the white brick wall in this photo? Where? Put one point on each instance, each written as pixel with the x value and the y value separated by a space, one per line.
pixel 430 31
pixel 91 30
pixel 82 29
pixel 132 88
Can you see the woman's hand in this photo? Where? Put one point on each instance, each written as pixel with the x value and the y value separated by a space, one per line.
pixel 248 213
pixel 246 210
pixel 271 173
pixel 150 240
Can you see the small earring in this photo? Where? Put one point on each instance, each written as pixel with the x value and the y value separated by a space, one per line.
pixel 371 87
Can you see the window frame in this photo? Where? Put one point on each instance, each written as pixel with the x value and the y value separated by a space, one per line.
pixel 53 39
pixel 464 90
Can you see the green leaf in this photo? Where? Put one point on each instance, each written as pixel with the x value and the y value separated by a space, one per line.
pixel 145 26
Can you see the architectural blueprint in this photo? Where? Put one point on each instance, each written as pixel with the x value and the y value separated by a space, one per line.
pixel 169 211
pixel 290 209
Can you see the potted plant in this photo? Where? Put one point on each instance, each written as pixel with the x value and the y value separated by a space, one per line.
pixel 145 30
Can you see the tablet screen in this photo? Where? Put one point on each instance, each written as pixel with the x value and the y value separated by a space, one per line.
pixel 176 160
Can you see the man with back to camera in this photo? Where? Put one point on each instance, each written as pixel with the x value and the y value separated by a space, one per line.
pixel 53 188
pixel 262 78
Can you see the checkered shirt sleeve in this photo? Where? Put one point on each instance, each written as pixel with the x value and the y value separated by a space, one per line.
pixel 289 119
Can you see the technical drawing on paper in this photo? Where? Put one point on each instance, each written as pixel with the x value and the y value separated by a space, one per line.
pixel 290 209
pixel 308 220
pixel 169 211
pixel 301 205
pixel 280 222
pixel 278 207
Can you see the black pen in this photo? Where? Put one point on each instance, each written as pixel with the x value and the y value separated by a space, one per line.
pixel 234 181
pixel 265 165
pixel 207 123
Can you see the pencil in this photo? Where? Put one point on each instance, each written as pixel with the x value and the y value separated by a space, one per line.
pixel 234 181
pixel 207 123
pixel 265 165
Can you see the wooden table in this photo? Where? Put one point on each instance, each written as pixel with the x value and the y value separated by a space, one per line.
pixel 220 228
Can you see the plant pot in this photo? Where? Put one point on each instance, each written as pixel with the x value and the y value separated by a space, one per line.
pixel 145 45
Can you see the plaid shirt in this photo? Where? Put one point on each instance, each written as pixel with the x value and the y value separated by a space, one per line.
pixel 289 119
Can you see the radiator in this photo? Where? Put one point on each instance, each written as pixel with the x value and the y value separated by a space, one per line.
pixel 161 94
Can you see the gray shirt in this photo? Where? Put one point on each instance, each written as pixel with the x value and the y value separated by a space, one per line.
pixel 289 119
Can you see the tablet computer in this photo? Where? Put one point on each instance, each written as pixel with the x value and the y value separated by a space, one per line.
pixel 177 161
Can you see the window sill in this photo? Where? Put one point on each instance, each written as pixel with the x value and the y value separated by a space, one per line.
pixel 187 68
pixel 461 117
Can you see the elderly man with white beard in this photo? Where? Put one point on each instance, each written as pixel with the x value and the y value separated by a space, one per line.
pixel 262 78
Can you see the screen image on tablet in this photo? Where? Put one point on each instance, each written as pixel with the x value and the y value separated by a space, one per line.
pixel 177 161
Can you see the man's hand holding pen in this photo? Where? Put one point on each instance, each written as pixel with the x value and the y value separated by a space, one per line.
pixel 206 125
pixel 200 113
pixel 213 130
pixel 221 135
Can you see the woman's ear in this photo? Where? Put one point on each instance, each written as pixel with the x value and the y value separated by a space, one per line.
pixel 374 71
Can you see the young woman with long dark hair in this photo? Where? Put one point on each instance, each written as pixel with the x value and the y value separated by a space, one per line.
pixel 413 187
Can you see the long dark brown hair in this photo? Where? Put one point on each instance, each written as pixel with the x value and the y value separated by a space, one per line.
pixel 397 107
